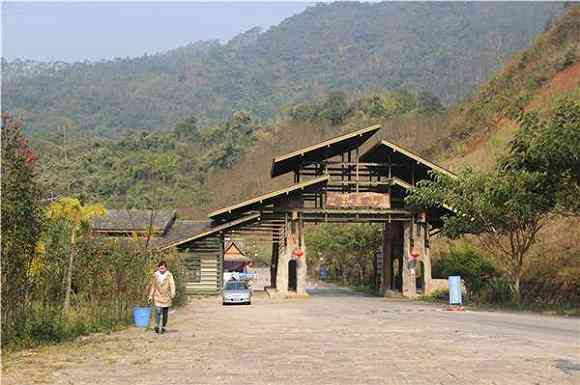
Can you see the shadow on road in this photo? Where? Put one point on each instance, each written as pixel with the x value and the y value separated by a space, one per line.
pixel 331 291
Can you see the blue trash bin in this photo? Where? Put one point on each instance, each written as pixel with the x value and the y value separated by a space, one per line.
pixel 454 282
pixel 141 316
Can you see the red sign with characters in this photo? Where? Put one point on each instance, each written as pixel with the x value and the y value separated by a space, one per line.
pixel 358 200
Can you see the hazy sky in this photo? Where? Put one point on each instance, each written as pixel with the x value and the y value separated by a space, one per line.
pixel 102 30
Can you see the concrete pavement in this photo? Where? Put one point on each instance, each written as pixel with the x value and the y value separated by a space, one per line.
pixel 334 337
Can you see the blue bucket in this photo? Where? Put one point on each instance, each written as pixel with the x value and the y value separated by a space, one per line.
pixel 141 316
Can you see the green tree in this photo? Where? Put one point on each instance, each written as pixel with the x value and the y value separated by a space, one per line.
pixel 347 250
pixel 335 108
pixel 507 209
pixel 552 148
pixel 187 128
pixel 302 112
pixel 22 224
pixel 75 217
pixel 465 261
pixel 508 206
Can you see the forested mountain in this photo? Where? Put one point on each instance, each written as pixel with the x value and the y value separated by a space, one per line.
pixel 474 131
pixel 165 169
pixel 444 49
pixel 19 69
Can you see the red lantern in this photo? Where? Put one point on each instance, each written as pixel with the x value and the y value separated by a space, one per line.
pixel 298 252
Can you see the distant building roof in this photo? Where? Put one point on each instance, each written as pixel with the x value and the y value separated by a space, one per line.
pixel 320 151
pixel 233 247
pixel 124 221
pixel 234 253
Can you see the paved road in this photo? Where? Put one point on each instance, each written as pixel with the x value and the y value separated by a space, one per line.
pixel 334 337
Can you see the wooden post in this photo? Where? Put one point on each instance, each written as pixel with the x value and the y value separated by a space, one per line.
pixel 386 283
pixel 274 263
pixel 409 283
pixel 282 265
pixel 294 241
pixel 342 170
pixel 301 265
pixel 221 262
pixel 422 243
pixel 357 180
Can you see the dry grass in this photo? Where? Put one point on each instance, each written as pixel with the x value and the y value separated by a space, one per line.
pixel 482 149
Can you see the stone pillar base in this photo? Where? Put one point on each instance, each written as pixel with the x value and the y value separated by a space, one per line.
pixel 273 293
pixel 392 294
pixel 301 295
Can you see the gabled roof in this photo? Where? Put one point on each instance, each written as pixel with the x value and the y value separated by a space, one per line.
pixel 265 199
pixel 386 150
pixel 323 150
pixel 125 221
pixel 207 230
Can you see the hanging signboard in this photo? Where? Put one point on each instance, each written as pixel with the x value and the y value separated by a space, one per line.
pixel 358 200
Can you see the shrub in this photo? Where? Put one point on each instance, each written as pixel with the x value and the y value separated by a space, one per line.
pixel 110 278
pixel 496 291
pixel 463 260
pixel 439 295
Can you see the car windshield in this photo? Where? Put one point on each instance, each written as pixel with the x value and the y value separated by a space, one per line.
pixel 236 285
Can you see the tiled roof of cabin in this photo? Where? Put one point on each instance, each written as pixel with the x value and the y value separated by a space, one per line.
pixel 183 229
pixel 133 220
pixel 190 231
pixel 180 229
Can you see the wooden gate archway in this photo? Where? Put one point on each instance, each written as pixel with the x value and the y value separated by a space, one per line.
pixel 334 182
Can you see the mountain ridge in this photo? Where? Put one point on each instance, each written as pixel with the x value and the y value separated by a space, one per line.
pixel 444 49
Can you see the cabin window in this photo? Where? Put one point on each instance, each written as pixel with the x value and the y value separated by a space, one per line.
pixel 193 265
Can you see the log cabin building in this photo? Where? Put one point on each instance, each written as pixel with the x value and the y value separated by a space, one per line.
pixel 158 228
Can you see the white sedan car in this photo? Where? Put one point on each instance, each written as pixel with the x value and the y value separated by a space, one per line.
pixel 237 292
